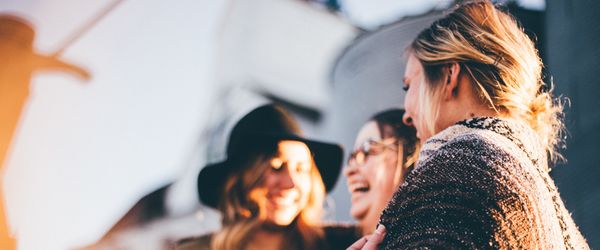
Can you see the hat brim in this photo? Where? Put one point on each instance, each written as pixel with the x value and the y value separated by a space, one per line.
pixel 328 159
pixel 210 183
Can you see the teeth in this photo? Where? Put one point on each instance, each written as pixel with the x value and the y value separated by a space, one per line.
pixel 284 200
pixel 359 187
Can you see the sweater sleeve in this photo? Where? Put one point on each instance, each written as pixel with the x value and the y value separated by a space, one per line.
pixel 449 201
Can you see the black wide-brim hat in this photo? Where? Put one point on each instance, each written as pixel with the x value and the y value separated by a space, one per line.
pixel 266 124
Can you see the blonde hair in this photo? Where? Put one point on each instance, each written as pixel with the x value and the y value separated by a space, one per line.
pixel 243 214
pixel 499 58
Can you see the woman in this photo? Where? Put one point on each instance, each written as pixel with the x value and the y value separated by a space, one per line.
pixel 270 189
pixel 475 96
pixel 384 153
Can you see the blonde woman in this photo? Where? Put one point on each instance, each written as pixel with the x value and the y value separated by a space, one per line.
pixel 475 96
pixel 384 153
pixel 270 189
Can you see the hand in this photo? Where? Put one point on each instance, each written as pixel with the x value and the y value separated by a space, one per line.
pixel 371 241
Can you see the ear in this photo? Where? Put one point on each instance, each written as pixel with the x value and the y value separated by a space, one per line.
pixel 451 84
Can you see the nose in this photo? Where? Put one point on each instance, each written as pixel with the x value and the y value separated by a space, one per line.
pixel 407 120
pixel 350 169
pixel 286 180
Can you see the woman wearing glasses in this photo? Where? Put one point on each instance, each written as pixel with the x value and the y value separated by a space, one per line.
pixel 384 153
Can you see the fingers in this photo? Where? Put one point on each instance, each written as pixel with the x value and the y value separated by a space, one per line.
pixel 359 243
pixel 375 239
pixel 369 242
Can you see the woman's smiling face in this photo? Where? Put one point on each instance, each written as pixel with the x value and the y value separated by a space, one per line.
pixel 288 182
pixel 371 178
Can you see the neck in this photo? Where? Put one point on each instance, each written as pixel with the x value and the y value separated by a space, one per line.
pixel 465 107
pixel 467 103
pixel 466 113
pixel 477 112
pixel 367 226
pixel 266 238
pixel 270 227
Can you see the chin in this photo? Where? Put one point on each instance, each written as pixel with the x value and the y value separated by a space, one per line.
pixel 357 214
pixel 283 219
pixel 281 222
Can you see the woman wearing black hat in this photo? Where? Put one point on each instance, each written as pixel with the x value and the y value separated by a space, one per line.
pixel 270 190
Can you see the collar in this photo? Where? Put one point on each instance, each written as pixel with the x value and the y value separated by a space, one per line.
pixel 520 134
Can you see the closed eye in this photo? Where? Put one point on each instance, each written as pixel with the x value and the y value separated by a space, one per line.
pixel 303 167
pixel 276 164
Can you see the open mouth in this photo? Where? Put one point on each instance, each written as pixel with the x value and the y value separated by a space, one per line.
pixel 360 187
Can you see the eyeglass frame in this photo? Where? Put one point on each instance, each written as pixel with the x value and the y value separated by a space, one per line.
pixel 366 147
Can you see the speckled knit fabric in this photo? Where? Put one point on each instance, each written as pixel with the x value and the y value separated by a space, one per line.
pixel 482 183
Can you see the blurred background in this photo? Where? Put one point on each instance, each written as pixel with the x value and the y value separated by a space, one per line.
pixel 110 162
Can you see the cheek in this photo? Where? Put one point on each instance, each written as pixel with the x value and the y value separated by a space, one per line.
pixel 410 102
pixel 374 170
pixel 382 175
pixel 369 171
pixel 269 180
pixel 304 184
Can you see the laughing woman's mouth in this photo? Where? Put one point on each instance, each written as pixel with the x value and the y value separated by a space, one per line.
pixel 359 187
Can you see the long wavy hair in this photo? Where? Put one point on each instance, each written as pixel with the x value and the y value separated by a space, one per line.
pixel 501 61
pixel 243 212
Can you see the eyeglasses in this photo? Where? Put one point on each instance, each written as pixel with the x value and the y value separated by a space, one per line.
pixel 371 147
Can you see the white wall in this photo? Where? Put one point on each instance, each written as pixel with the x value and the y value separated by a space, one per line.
pixel 86 151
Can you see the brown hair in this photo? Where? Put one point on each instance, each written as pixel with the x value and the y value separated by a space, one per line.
pixel 499 58
pixel 242 214
pixel 390 124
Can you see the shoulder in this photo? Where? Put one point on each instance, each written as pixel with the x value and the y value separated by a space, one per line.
pixel 480 163
pixel 195 243
pixel 447 201
pixel 488 139
pixel 340 236
pixel 467 185
pixel 471 151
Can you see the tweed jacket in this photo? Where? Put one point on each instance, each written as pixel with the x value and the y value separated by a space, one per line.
pixel 481 183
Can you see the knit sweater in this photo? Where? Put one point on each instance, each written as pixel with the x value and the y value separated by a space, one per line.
pixel 481 183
